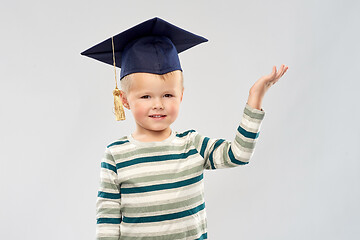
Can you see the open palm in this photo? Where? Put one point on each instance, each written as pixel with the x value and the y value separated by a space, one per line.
pixel 265 82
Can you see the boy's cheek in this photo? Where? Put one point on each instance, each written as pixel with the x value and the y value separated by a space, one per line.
pixel 140 110
pixel 174 110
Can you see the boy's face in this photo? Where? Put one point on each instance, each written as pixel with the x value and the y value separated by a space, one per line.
pixel 154 102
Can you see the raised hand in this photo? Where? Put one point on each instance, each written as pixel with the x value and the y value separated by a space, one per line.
pixel 260 87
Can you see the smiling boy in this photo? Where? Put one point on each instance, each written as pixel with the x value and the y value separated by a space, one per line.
pixel 154 101
pixel 151 181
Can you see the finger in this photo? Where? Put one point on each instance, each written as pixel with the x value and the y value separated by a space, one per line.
pixel 273 71
pixel 283 69
pixel 278 75
pixel 271 75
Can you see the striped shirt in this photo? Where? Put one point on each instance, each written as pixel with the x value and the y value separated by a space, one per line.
pixel 155 190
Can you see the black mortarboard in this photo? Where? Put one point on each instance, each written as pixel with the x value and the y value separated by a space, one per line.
pixel 151 46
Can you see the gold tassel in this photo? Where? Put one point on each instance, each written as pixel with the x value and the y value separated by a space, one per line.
pixel 119 109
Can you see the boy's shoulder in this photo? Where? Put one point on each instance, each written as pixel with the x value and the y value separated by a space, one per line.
pixel 119 141
pixel 184 135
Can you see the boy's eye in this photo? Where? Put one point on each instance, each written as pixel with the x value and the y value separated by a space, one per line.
pixel 166 95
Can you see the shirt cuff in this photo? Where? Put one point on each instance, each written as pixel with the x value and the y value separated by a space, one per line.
pixel 254 112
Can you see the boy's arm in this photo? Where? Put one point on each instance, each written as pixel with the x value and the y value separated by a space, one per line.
pixel 220 153
pixel 108 214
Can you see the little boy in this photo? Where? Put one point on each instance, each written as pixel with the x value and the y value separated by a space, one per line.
pixel 151 181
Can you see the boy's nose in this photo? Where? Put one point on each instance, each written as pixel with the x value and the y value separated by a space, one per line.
pixel 158 104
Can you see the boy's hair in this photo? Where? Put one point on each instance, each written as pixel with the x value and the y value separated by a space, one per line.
pixel 126 81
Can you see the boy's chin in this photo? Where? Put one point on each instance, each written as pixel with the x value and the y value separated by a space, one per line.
pixel 158 128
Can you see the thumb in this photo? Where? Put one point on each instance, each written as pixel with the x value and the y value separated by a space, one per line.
pixel 274 70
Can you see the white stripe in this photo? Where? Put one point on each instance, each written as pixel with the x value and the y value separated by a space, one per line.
pixel 155 168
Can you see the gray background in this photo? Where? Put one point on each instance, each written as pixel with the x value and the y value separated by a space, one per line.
pixel 56 113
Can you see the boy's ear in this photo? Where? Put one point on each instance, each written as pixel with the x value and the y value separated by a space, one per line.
pixel 124 99
pixel 182 93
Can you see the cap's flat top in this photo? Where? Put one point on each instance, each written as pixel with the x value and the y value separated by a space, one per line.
pixel 181 39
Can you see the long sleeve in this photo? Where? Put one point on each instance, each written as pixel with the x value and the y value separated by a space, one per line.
pixel 221 153
pixel 108 214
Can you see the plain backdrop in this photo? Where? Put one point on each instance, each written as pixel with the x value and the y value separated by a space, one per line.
pixel 56 113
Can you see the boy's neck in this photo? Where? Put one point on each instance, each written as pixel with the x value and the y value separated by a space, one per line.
pixel 151 136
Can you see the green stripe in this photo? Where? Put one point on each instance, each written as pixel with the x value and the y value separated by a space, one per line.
pixel 108 195
pixel 108 221
pixel 204 146
pixel 248 134
pixel 234 160
pixel 226 156
pixel 108 156
pixel 163 186
pixel 107 238
pixel 115 211
pixel 185 133
pixel 173 236
pixel 182 155
pixel 166 176
pixel 164 217
pixel 106 185
pixel 217 144
pixel 117 143
pixel 254 115
pixel 245 144
pixel 149 150
pixel 163 207
pixel 108 166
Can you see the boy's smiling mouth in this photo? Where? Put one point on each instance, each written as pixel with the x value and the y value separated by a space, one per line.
pixel 159 116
